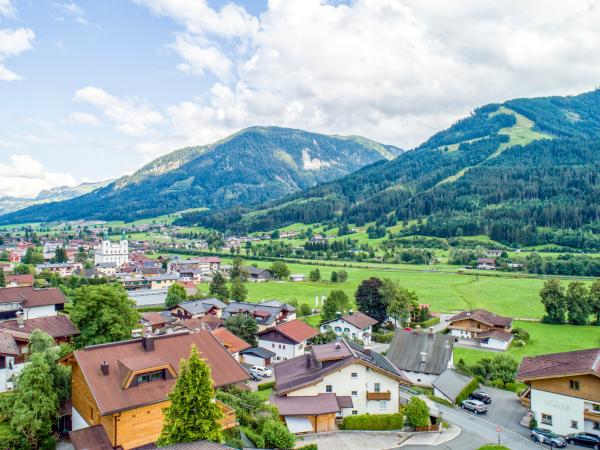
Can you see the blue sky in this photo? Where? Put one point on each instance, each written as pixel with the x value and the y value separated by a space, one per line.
pixel 91 90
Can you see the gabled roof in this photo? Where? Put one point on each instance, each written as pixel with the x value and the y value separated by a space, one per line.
pixel 258 351
pixel 496 334
pixel 407 347
pixel 230 341
pixel 257 270
pixel 25 278
pixel 8 346
pixel 358 319
pixel 483 316
pixel 201 306
pixel 247 307
pixel 30 297
pixel 207 322
pixel 451 383
pixel 560 364
pixel 312 405
pixel 155 318
pixel 296 330
pixel 59 326
pixel 90 438
pixel 169 349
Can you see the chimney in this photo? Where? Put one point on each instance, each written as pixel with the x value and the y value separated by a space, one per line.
pixel 337 346
pixel 148 343
pixel 20 320
pixel 367 351
pixel 423 357
pixel 338 315
pixel 350 312
pixel 104 368
pixel 418 329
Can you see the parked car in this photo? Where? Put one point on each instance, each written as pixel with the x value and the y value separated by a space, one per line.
pixel 474 405
pixel 548 437
pixel 254 376
pixel 481 396
pixel 262 371
pixel 585 440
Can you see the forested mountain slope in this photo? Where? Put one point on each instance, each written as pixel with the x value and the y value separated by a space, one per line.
pixel 251 166
pixel 517 171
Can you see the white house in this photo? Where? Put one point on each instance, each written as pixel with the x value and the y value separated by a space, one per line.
pixel 354 325
pixel 363 382
pixel 33 303
pixel 257 356
pixel 297 277
pixel 286 340
pixel 564 390
pixel 108 252
pixel 61 269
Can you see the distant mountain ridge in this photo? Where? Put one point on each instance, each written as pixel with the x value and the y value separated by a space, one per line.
pixel 252 166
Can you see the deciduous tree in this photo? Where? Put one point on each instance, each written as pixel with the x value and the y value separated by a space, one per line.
pixel 578 304
pixel 336 301
pixel 417 412
pixel 175 295
pixel 245 327
pixel 552 296
pixel 280 270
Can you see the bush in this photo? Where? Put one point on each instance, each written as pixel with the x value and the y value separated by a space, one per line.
pixel 256 438
pixel 265 386
pixel 417 412
pixel 305 310
pixel 276 435
pixel 10 439
pixel 308 447
pixel 373 422
pixel 467 390
pixel 382 338
pixel 426 324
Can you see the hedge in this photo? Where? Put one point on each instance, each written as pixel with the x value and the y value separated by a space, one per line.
pixel 308 447
pixel 373 422
pixel 255 437
pixel 265 386
pixel 382 338
pixel 467 390
pixel 426 324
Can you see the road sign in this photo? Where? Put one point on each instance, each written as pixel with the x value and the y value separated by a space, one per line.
pixel 498 429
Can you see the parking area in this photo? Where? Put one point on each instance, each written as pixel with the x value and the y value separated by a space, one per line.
pixel 353 440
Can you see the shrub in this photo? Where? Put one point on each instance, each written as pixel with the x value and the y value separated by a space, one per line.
pixel 373 422
pixel 467 390
pixel 276 435
pixel 265 386
pixel 305 310
pixel 308 447
pixel 257 439
pixel 382 338
pixel 417 412
pixel 426 324
pixel 11 439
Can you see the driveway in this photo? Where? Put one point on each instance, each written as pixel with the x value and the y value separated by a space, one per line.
pixel 353 441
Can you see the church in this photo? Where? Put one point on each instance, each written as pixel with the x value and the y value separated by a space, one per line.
pixel 108 252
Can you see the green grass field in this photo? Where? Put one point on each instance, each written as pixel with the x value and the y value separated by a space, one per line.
pixel 544 339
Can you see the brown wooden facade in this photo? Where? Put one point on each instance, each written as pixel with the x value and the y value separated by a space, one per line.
pixel 588 386
pixel 474 326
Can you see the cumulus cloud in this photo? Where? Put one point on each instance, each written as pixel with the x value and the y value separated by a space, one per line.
pixel 71 9
pixel 13 43
pixel 131 116
pixel 392 70
pixel 7 8
pixel 23 176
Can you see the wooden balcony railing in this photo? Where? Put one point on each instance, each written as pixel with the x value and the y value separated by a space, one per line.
pixel 379 395
pixel 229 419
pixel 591 415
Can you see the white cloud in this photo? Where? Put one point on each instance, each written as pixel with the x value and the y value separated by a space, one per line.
pixel 131 116
pixel 7 8
pixel 392 70
pixel 83 118
pixel 73 10
pixel 12 43
pixel 23 176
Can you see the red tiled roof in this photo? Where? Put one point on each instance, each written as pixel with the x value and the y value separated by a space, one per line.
pixel 107 389
pixel 231 342
pixel 8 346
pixel 59 326
pixel 360 320
pixel 30 297
pixel 306 405
pixel 154 318
pixel 296 330
pixel 26 278
pixel 207 322
pixel 91 438
pixel 483 316
pixel 560 364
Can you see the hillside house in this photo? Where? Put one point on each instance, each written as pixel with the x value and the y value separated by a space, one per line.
pixel 362 382
pixel 489 329
pixel 286 340
pixel 61 269
pixel 194 309
pixel 257 356
pixel 33 303
pixel 266 314
pixel 563 390
pixel 354 325
pixel 486 264
pixel 25 280
pixel 257 274
pixel 123 386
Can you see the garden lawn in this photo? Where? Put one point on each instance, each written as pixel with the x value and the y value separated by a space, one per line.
pixel 544 338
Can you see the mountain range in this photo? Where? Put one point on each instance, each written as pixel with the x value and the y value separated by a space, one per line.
pixel 252 166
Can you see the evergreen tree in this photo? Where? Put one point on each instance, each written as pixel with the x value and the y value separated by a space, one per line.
pixel 60 255
pixel 594 297
pixel 578 304
pixel 314 275
pixel 552 296
pixel 334 277
pixel 218 287
pixel 244 327
pixel 239 293
pixel 2 279
pixel 336 301
pixel 342 276
pixel 175 295
pixel 369 299
pixel 237 270
pixel 103 314
pixel 192 415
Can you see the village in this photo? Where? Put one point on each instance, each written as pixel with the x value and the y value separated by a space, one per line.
pixel 388 374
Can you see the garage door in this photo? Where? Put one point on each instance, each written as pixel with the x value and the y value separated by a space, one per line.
pixel 298 424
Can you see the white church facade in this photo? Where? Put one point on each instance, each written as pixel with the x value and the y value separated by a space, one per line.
pixel 112 252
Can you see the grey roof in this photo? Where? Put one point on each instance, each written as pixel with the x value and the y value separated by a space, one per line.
pixel 258 351
pixel 257 271
pixel 451 383
pixel 201 306
pixel 407 347
pixel 237 307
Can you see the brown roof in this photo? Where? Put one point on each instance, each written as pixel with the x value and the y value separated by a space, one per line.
pixel 560 364
pixel 8 346
pixel 59 326
pixel 231 342
pixel 207 322
pixel 296 330
pixel 91 438
pixel 154 318
pixel 30 297
pixel 496 334
pixel 169 350
pixel 306 405
pixel 24 278
pixel 483 316
pixel 360 320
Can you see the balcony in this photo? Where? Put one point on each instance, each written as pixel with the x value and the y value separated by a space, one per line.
pixel 379 395
pixel 526 398
pixel 592 415
pixel 229 419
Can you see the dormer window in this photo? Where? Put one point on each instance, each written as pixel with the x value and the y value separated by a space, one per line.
pixel 151 376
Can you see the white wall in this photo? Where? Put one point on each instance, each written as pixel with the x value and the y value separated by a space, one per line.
pixel 77 422
pixel 422 379
pixel 282 351
pixel 342 383
pixel 348 329
pixel 496 344
pixel 562 408
pixel 460 333
pixel 253 360
pixel 39 311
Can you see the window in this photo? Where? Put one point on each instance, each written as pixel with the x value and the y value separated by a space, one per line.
pixel 377 387
pixel 382 405
pixel 152 376
pixel 326 327
pixel 354 393
pixel 346 330
pixel 273 345
pixel 596 407
pixel 597 426
pixel 354 375
pixel 283 346
pixel 329 388
pixel 574 384
pixel 338 329
pixel 546 419
pixel 574 424
pixel 354 412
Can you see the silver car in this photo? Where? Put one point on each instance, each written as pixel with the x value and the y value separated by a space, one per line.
pixel 474 405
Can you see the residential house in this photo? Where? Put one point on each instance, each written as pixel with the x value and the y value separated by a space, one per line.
pixel 297 277
pixel 421 357
pixel 162 281
pixel 257 274
pixel 206 264
pixel 107 269
pixel 493 253
pixel 363 382
pixel 231 342
pixel 491 330
pixel 564 390
pixel 124 386
pixel 486 264
pixel 25 280
pixel 257 356
pixel 61 269
pixel 450 384
pixel 156 321
pixel 6 267
pixel 354 325
pixel 32 302
pixel 208 322
pixel 266 314
pixel 189 286
pixel 286 340
pixel 193 309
